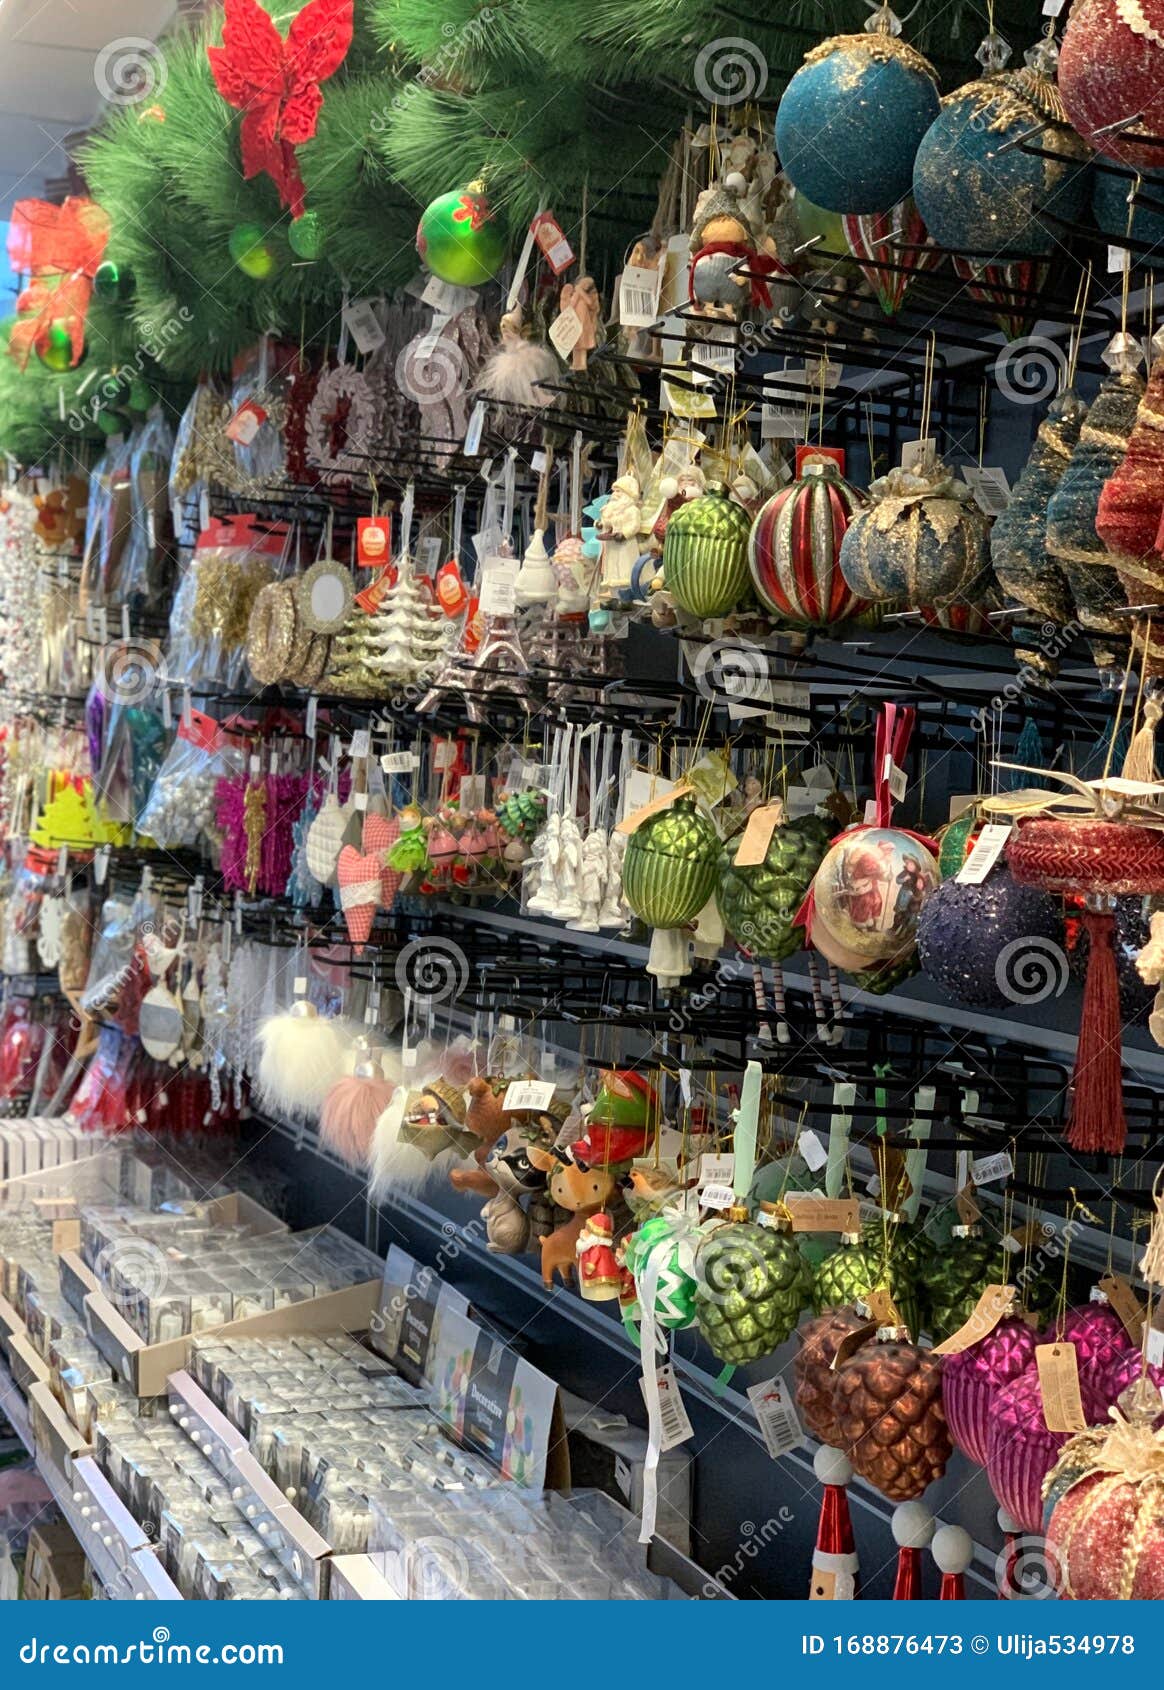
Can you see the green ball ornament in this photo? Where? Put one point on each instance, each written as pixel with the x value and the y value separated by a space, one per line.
pixel 675 1292
pixel 669 870
pixel 252 252
pixel 55 348
pixel 705 554
pixel 751 1284
pixel 759 902
pixel 460 239
pixel 859 1267
pixel 113 282
pixel 305 236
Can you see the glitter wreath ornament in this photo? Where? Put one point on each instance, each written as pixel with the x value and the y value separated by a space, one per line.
pixel 851 119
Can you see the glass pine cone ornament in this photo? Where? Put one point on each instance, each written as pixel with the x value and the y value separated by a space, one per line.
pixel 868 893
pixel 669 870
pixel 922 541
pixel 751 1284
pixel 759 902
pixel 460 239
pixel 859 1266
pixel 705 554
pixel 794 548
pixel 812 1370
pixel 850 120
pixel 956 1277
pixel 888 1399
pixel 1111 67
pixel 980 192
pixel 994 943
pixel 1099 1336
pixel 973 1377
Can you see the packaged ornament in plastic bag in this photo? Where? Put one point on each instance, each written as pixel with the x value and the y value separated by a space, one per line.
pixel 234 559
pixel 181 808
pixel 143 576
pixel 257 412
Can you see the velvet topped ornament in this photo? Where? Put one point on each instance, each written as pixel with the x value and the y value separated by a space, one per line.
pixel 850 120
pixel 977 190
pixel 794 548
pixel 1074 506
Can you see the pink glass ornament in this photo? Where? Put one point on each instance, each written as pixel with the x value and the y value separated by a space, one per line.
pixel 1099 1336
pixel 972 1379
pixel 1020 1449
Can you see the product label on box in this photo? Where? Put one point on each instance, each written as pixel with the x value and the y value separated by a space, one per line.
pixel 413 1302
pixel 492 1399
pixel 774 1408
pixel 499 587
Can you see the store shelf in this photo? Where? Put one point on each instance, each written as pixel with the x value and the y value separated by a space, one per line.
pixel 15 1407
pixel 118 1548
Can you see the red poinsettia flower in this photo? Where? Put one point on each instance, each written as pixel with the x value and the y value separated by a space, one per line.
pixel 474 210
pixel 275 83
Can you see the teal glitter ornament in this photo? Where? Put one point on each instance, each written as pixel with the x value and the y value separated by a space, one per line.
pixel 852 117
pixel 923 541
pixel 978 190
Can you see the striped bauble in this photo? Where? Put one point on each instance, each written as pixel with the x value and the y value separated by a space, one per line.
pixel 795 544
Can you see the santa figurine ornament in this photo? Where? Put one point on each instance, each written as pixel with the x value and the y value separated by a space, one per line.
pixel 599 1275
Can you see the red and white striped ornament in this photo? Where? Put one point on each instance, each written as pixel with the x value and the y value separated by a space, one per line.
pixel 895 238
pixel 795 543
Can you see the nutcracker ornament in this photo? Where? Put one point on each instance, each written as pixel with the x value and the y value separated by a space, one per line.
pixel 913 1528
pixel 794 548
pixel 851 119
pixel 834 1562
pixel 705 554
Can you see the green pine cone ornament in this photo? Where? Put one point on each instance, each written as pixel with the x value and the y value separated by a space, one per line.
pixel 854 1270
pixel 909 1255
pixel 759 903
pixel 705 554
pixel 751 1284
pixel 675 1293
pixel 954 1281
pixel 669 870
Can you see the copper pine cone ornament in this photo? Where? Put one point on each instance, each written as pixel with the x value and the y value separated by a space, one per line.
pixel 813 1373
pixel 888 1404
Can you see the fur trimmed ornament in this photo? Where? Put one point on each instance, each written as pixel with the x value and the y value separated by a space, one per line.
pixel 888 1401
pixel 275 82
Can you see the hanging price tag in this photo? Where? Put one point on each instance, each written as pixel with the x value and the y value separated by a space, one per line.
pixel 310 717
pixel 1119 259
pixel 246 423
pixel 993 1305
pixel 775 1410
pixel 475 430
pixel 685 1085
pixel 988 847
pixel 448 297
pixel 1058 1367
pixel 528 1094
pixel 362 323
pixel 883 1309
pixel 919 457
pixel 989 486
pixel 361 744
pixel 822 1214
pixel 1155 1347
pixel 895 778
pixel 399 762
pixel 636 818
pixel 373 540
pixel 552 243
pixel 499 587
pixel 716 1169
pixel 812 1150
pixel 757 835
pixel 986 1170
pixel 1126 1304
pixel 716 1197
pixel 566 332
pixel 638 296
pixel 676 1426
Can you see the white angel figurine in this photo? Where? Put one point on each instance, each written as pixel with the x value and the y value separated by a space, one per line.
pixel 539 878
pixel 567 906
pixel 613 911
pixel 591 881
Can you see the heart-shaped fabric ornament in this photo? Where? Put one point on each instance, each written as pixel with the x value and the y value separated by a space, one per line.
pixel 324 839
pixel 380 834
pixel 358 877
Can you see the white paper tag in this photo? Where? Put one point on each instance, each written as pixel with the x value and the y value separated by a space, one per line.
pixel 918 456
pixel 444 755
pixel 813 1151
pixel 774 1408
pixel 473 793
pixel 528 1094
pixel 101 864
pixel 399 762
pixel 1119 259
pixel 361 744
pixel 1052 8
pixel 716 1197
pixel 988 847
pixel 425 345
pixel 448 297
pixel 895 777
pixel 311 716
pixel 362 323
pixel 638 296
pixel 475 430
pixel 675 1426
pixel 985 1170
pixel 1155 1347
pixel 716 1169
pixel 685 1085
pixel 990 487
pixel 566 332
pixel 203 510
pixel 499 587
pixel 780 422
pixel 717 355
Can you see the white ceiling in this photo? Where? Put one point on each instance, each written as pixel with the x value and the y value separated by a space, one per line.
pixel 48 53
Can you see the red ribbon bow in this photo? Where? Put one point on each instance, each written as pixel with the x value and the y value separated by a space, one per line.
pixel 59 248
pixel 275 83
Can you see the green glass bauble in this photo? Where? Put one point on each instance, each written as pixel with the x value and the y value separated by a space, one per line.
pixel 750 1286
pixel 305 236
pixel 855 1269
pixel 908 1251
pixel 759 903
pixel 113 282
pixel 459 238
pixel 252 252
pixel 705 554
pixel 675 1293
pixel 955 843
pixel 669 870
pixel 55 348
pixel 955 1279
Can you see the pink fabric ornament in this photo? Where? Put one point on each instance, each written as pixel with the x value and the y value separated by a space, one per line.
pixel 353 1106
pixel 972 1379
pixel 380 834
pixel 358 878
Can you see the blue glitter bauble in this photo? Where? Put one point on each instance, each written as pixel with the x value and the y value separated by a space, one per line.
pixel 993 945
pixel 850 122
pixel 1109 205
pixel 977 195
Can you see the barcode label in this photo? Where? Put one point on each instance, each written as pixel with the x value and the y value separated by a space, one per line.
pixel 399 762
pixel 528 1094
pixel 988 847
pixel 638 297
pixel 775 1411
pixel 716 1197
pixel 499 588
pixel 716 1170
pixel 676 1428
pixel 987 1169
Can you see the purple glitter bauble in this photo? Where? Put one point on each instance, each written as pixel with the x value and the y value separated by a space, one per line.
pixel 972 1379
pixel 1099 1336
pixel 1021 1451
pixel 994 944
